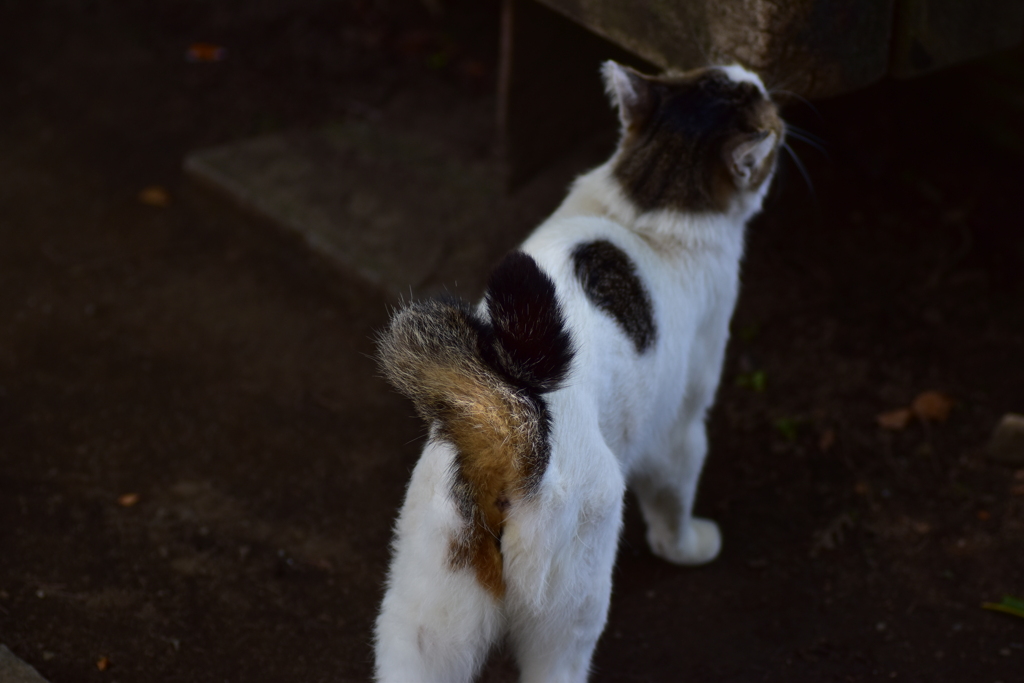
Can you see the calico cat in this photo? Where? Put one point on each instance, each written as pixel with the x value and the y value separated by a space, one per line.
pixel 589 365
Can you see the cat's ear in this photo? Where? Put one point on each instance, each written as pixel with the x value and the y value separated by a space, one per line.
pixel 629 91
pixel 747 155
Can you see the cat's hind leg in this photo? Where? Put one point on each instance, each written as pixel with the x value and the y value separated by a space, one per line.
pixel 666 486
pixel 437 622
pixel 559 561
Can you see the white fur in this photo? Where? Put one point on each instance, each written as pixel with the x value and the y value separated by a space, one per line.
pixel 740 75
pixel 424 627
pixel 622 417
pixel 620 87
pixel 750 155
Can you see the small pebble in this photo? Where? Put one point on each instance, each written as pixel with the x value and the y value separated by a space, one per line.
pixel 1007 442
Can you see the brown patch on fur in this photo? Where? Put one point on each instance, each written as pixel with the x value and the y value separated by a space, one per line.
pixel 482 554
pixel 493 435
pixel 672 154
pixel 492 431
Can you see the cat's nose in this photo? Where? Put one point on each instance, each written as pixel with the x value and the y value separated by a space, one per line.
pixel 737 74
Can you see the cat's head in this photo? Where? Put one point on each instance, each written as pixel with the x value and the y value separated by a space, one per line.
pixel 705 140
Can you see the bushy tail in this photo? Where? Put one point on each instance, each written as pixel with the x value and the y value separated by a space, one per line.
pixel 481 382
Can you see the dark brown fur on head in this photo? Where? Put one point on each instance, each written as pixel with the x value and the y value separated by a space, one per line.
pixel 691 142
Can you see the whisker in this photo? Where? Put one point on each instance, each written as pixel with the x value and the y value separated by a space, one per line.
pixel 779 86
pixel 800 167
pixel 808 141
pixel 804 133
pixel 799 98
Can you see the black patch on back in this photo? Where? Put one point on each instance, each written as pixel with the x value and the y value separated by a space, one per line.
pixel 528 342
pixel 531 343
pixel 673 157
pixel 609 278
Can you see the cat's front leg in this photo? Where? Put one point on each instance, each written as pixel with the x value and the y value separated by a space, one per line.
pixel 666 486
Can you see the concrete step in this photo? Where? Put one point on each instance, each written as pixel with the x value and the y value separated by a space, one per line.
pixel 14 670
pixel 397 208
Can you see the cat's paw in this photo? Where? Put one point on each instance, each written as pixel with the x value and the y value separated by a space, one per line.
pixel 698 543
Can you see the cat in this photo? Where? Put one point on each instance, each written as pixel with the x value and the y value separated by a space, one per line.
pixel 590 363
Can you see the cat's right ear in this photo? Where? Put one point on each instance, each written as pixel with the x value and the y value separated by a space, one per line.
pixel 746 157
pixel 629 92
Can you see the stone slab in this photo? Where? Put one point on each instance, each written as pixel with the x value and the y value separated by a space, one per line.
pixel 14 670
pixel 930 34
pixel 399 209
pixel 813 48
pixel 395 208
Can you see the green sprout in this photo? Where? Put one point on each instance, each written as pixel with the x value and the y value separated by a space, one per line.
pixel 756 380
pixel 788 427
pixel 1009 605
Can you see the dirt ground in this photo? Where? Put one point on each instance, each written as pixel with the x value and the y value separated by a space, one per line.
pixel 213 367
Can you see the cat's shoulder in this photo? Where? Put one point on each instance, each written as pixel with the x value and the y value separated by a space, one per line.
pixel 557 242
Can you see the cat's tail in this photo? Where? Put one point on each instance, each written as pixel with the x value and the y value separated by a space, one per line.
pixel 479 381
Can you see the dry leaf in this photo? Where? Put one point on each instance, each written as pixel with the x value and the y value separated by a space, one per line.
pixel 862 488
pixel 155 195
pixel 1019 475
pixel 932 406
pixel 128 499
pixel 103 663
pixel 896 420
pixel 1017 490
pixel 984 515
pixel 205 52
pixel 827 440
pixel 324 564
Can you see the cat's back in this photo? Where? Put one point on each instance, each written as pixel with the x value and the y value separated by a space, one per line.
pixel 632 311
pixel 607 279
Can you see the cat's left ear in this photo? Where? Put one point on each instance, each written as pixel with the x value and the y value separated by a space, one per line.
pixel 747 156
pixel 629 91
